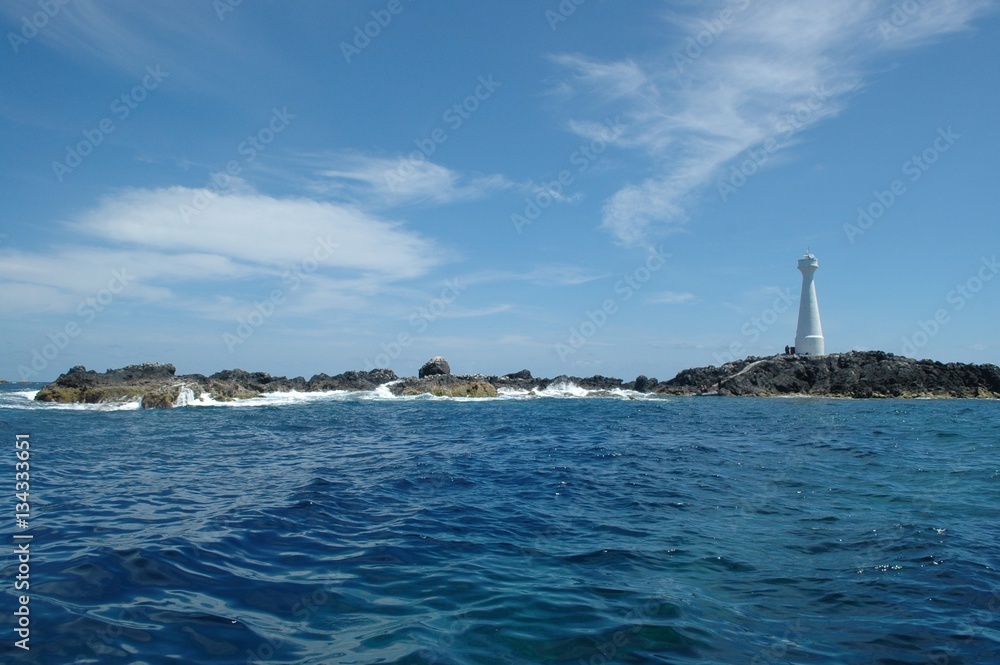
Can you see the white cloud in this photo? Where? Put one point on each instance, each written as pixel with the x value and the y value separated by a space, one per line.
pixel 901 28
pixel 128 36
pixel 694 111
pixel 259 230
pixel 554 275
pixel 406 179
pixel 340 253
pixel 673 297
pixel 464 313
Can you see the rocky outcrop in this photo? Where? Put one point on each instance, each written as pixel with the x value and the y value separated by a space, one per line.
pixel 855 374
pixel 643 384
pixel 445 385
pixel 351 380
pixel 436 366
pixel 132 383
pixel 701 379
pixel 157 386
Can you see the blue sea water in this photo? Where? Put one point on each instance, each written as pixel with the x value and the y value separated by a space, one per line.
pixel 526 529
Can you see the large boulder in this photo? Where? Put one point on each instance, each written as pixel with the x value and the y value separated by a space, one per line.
pixel 434 367
pixel 643 384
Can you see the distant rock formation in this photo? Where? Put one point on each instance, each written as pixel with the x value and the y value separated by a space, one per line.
pixel 351 380
pixel 643 384
pixel 156 386
pixel 434 367
pixel 135 382
pixel 445 385
pixel 855 374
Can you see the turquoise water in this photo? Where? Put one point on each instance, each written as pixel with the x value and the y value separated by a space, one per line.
pixel 368 529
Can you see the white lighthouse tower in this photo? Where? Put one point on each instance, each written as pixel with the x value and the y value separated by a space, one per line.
pixel 809 334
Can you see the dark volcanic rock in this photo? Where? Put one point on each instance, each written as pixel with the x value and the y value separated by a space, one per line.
pixel 854 374
pixel 80 385
pixel 136 373
pixel 231 382
pixel 598 382
pixel 446 385
pixel 433 367
pixel 156 386
pixel 352 380
pixel 700 379
pixel 518 381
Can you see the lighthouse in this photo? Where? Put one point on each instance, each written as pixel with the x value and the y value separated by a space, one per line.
pixel 809 334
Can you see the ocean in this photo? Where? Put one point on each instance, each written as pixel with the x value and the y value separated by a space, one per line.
pixel 566 527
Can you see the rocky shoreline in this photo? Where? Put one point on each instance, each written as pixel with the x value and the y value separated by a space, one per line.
pixel 868 374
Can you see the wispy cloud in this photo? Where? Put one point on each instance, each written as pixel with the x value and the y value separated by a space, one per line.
pixel 554 275
pixel 239 236
pixel 695 111
pixel 258 229
pixel 672 298
pixel 904 26
pixel 466 313
pixel 387 182
pixel 186 38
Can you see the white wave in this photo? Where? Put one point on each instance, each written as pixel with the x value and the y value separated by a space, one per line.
pixel 383 392
pixel 188 398
pixel 130 405
pixel 563 389
pixel 622 393
pixel 265 399
pixel 18 399
pixel 184 397
pixel 515 393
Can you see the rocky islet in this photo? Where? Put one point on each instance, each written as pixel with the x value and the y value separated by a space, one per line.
pixel 858 374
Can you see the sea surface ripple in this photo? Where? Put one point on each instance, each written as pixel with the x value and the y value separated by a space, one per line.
pixel 356 529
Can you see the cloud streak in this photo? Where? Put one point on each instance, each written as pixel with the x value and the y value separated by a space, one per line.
pixel 727 84
pixel 387 182
pixel 258 229
pixel 240 237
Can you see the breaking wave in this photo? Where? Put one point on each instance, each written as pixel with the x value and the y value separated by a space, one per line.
pixel 24 399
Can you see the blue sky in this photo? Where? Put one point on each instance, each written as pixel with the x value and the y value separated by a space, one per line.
pixel 586 187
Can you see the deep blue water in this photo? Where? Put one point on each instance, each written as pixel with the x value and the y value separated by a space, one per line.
pixel 544 530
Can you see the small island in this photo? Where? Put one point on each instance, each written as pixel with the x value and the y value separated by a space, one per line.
pixel 858 374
